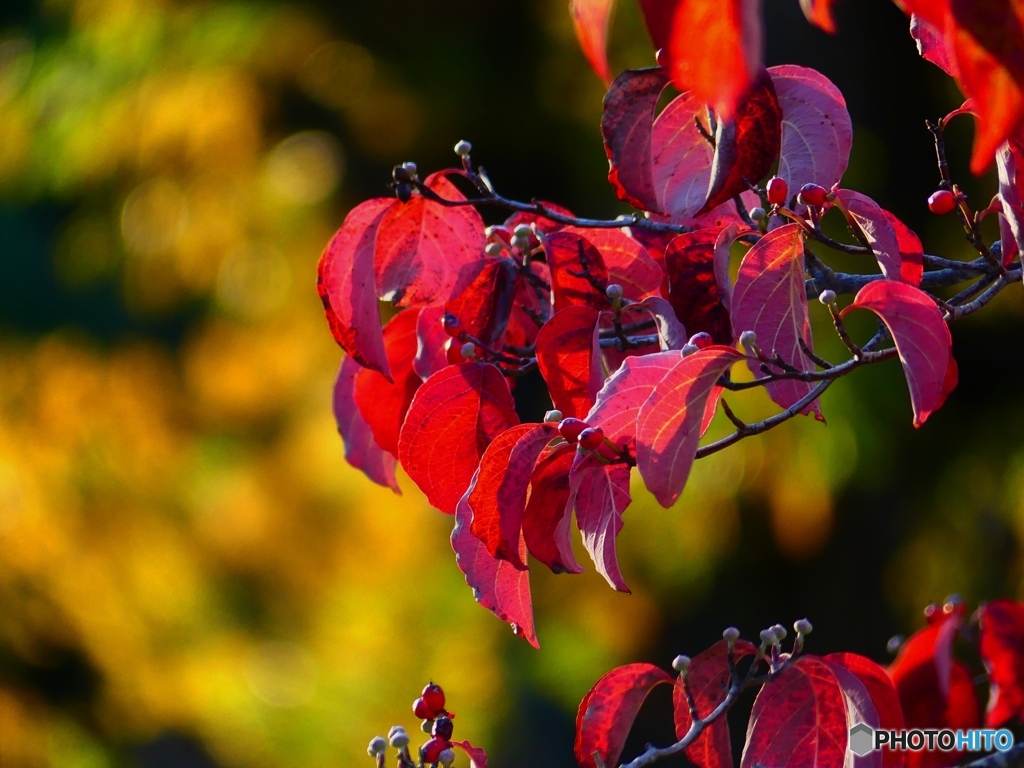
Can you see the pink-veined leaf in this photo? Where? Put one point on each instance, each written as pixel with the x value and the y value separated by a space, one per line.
pixel 860 708
pixel 431 338
pixel 922 340
pixel 931 44
pixel 498 499
pixel 680 158
pixel 1008 246
pixel 361 450
pixel 723 253
pixel 567 254
pixel 669 422
pixel 877 229
pixel 590 19
pixel 569 359
pixel 599 494
pixel 819 13
pixel 798 719
pixel 627 261
pixel 708 678
pixel 694 288
pixel 481 300
pixel 345 282
pixel 883 696
pixel 817 132
pixel 497 585
pixel 1002 649
pixel 547 521
pixel 453 417
pixel 422 245
pixel 1009 160
pixel 477 756
pixel 618 403
pixel 671 333
pixel 608 710
pixel 382 403
pixel 770 299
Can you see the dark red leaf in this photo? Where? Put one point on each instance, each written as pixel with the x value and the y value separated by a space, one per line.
pixel 608 710
pixel 669 422
pixel 497 585
pixel 931 44
pixel 346 286
pixel 422 245
pixel 569 359
pixel 922 339
pixel 566 253
pixel 590 19
pixel 499 497
pixel 627 261
pixel 911 251
pixel 453 417
pixel 694 289
pixel 746 144
pixel 361 450
pixel 708 678
pixel 770 299
pixel 599 494
pixel 482 298
pixel 877 227
pixel 477 757
pixel 383 404
pixel 1002 650
pixel 883 696
pixel 431 338
pixel 547 521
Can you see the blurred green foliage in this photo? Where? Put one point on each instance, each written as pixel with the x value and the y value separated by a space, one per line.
pixel 183 552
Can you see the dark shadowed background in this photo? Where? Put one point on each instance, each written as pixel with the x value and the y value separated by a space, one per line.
pixel 189 573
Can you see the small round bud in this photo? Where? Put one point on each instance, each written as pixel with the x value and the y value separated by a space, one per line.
pixel 802 627
pixel 522 231
pixel 777 190
pixel 768 636
pixel 827 297
pixel 554 416
pixel 377 746
pixel 396 729
pixel 813 194
pixel 489 232
pixel 493 249
pixel 941 202
pixel 894 644
pixel 571 428
pixel 748 339
pixel 468 350
pixel 951 603
pixel 613 291
pixel 410 168
pixel 400 740
pixel 463 148
pixel 442 728
pixel 780 632
pixel 758 214
pixel 522 243
pixel 591 438
pixel 681 663
pixel 701 340
pixel 427 726
pixel 447 757
pixel 689 349
pixel 731 634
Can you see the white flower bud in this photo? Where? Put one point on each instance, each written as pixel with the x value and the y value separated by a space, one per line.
pixel 400 740
pixel 553 416
pixel 828 298
pixel 613 291
pixel 489 232
pixel 463 148
pixel 681 663
pixel 522 231
pixel 802 627
pixel 410 168
pixel 377 746
pixel 468 350
pixel 748 339
pixel 757 214
pixel 396 729
pixel 731 634
pixel 780 632
pixel 768 636
pixel 689 349
pixel 446 758
pixel 493 249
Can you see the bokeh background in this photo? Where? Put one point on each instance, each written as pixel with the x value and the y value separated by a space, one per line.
pixel 190 575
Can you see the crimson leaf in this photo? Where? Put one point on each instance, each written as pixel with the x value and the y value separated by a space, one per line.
pixel 569 359
pixel 547 521
pixel 361 450
pixel 1002 650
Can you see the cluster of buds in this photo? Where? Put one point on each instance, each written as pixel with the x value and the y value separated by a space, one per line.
pixel 437 723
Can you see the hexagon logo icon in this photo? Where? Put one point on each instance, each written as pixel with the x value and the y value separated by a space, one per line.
pixel 862 739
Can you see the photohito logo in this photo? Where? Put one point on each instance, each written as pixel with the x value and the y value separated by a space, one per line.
pixel 864 739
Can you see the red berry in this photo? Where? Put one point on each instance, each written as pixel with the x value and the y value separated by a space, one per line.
pixel 591 438
pixel 423 710
pixel 813 194
pixel 941 202
pixel 778 190
pixel 434 696
pixel 701 340
pixel 570 429
pixel 431 751
pixel 443 727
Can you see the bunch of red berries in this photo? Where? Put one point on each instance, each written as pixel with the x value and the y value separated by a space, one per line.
pixel 437 722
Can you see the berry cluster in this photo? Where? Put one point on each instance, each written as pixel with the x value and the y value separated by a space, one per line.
pixel 437 723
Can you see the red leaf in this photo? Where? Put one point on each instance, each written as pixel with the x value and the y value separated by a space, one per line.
pixel 680 158
pixel 599 493
pixel 746 144
pixel 671 333
pixel 346 285
pixel 770 300
pixel 708 678
pixel 608 710
pixel 922 339
pixel 798 719
pixel 431 338
pixel 422 245
pixel 361 450
pixel 383 404
pixel 453 417
pixel 482 298
pixel 626 123
pixel 547 521
pixel 477 757
pixel 669 422
pixel 716 50
pixel 694 289
pixel 883 696
pixel 569 359
pixel 590 20
pixel 817 132
pixel 543 224
pixel 627 261
pixel 931 44
pixel 1009 159
pixel 1002 650
pixel 499 497
pixel 618 403
pixel 566 253
pixel 911 251
pixel 877 227
pixel 497 585
pixel 819 13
